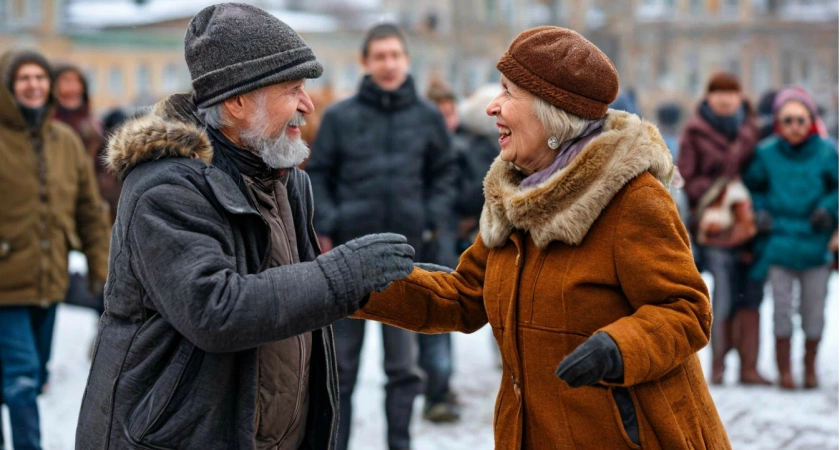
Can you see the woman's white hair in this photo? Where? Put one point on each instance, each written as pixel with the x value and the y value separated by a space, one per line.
pixel 558 123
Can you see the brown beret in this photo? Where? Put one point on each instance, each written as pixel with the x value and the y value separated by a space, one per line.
pixel 722 81
pixel 563 68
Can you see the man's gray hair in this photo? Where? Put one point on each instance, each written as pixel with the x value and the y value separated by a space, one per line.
pixel 214 116
pixel 558 123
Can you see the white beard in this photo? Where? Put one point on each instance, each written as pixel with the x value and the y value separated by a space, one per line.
pixel 276 152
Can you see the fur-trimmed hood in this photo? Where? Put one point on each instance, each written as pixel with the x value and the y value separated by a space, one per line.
pixel 565 206
pixel 170 130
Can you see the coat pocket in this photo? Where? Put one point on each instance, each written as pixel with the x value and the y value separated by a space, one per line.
pixel 158 405
pixel 625 413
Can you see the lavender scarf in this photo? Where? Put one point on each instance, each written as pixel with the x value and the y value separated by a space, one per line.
pixel 568 151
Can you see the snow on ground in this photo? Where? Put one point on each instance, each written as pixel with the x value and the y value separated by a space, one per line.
pixel 756 418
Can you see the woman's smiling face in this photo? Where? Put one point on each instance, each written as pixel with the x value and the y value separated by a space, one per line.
pixel 521 135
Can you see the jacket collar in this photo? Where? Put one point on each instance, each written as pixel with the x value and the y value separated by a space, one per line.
pixel 747 133
pixel 172 129
pixel 565 206
pixel 387 101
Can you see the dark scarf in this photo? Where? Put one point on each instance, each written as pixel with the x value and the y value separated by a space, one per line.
pixel 372 94
pixel 34 117
pixel 247 162
pixel 73 117
pixel 729 126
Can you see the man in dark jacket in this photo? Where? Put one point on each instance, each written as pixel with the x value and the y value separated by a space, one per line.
pixel 382 162
pixel 216 330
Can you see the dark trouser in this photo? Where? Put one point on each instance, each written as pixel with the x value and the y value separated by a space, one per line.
pixel 43 324
pixel 436 361
pixel 404 381
pixel 733 290
pixel 21 366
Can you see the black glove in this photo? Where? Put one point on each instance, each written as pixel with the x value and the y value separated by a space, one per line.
pixel 596 359
pixel 367 264
pixel 763 222
pixel 822 220
pixel 429 267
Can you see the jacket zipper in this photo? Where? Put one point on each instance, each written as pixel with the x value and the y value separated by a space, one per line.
pixel 263 262
pixel 301 371
pixel 386 103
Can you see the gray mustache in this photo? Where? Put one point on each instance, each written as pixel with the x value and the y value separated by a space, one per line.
pixel 297 120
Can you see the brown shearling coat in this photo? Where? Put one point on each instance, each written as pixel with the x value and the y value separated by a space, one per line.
pixel 597 247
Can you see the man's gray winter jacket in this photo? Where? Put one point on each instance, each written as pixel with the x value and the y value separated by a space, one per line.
pixel 176 360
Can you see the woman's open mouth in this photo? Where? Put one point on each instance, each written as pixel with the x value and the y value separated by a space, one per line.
pixel 504 134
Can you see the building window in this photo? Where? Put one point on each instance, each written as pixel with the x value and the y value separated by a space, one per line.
pixel 90 79
pixel 170 80
pixel 696 6
pixel 762 74
pixel 692 72
pixel 116 83
pixel 144 78
pixel 33 10
pixel 663 71
pixel 643 71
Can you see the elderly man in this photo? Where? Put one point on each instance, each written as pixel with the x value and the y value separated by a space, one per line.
pixel 48 205
pixel 216 331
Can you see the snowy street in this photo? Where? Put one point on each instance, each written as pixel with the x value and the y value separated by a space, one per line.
pixel 756 418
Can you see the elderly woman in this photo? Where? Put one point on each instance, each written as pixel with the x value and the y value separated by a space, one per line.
pixel 581 261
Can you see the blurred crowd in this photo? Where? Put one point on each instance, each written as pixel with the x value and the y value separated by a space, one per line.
pixel 757 188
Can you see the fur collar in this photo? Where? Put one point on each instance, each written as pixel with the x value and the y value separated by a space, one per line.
pixel 566 205
pixel 170 130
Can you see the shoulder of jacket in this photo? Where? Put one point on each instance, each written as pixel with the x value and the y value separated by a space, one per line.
pixel 62 130
pixel 643 186
pixel 185 172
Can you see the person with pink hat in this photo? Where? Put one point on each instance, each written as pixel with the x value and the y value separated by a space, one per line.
pixel 793 182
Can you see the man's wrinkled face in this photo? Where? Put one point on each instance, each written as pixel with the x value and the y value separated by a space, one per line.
pixel 387 63
pixel 32 86
pixel 724 103
pixel 69 90
pixel 275 115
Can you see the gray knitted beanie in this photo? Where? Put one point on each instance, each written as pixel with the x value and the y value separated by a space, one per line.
pixel 234 48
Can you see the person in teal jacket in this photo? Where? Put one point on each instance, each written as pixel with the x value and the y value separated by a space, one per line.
pixel 793 180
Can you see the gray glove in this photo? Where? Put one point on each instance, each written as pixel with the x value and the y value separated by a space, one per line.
pixel 366 264
pixel 429 267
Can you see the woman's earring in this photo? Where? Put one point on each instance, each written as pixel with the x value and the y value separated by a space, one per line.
pixel 553 142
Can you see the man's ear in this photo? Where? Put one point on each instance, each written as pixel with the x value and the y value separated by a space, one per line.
pixel 235 107
pixel 363 63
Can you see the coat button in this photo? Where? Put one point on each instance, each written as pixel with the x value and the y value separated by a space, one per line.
pixel 45 244
pixel 5 249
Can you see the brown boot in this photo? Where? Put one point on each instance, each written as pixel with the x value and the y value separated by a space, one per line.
pixel 783 362
pixel 719 351
pixel 748 321
pixel 811 363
